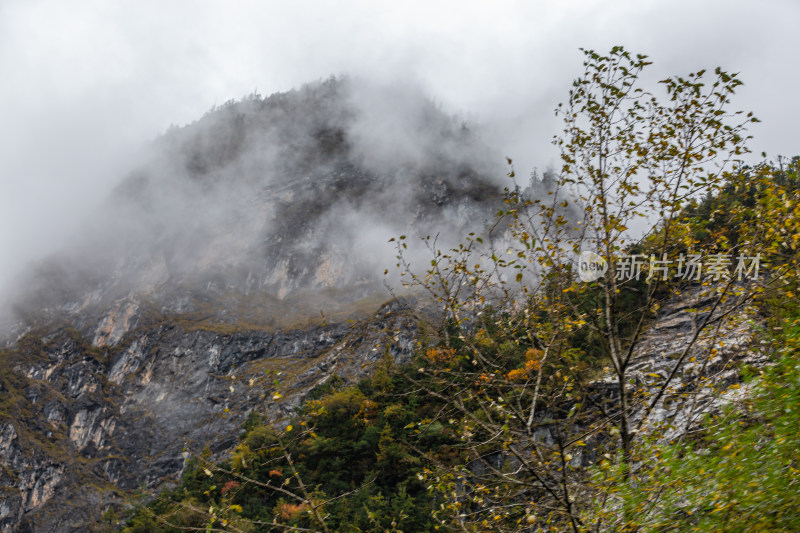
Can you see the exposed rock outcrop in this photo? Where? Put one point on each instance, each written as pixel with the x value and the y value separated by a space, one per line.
pixel 102 422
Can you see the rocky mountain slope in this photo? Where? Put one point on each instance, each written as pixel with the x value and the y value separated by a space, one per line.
pixel 237 269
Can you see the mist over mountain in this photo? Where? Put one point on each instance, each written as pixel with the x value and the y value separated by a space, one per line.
pixel 287 202
pixel 202 326
pixel 249 247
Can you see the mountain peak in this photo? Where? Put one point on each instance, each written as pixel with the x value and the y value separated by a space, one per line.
pixel 279 202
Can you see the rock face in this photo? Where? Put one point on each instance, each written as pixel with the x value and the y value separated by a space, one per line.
pixel 237 269
pixel 87 425
pixel 706 372
pixel 711 365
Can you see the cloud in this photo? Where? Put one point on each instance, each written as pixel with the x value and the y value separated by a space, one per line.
pixel 86 84
pixel 279 203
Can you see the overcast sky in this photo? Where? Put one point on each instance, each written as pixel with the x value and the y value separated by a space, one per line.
pixel 84 85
